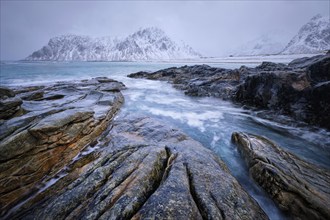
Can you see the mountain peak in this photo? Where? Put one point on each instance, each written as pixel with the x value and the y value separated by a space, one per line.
pixel 147 30
pixel 313 37
pixel 317 17
pixel 145 44
pixel 151 33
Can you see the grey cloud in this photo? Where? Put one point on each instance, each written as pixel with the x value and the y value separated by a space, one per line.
pixel 211 27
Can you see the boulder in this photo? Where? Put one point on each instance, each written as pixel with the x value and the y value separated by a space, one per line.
pixel 299 93
pixel 277 90
pixel 298 187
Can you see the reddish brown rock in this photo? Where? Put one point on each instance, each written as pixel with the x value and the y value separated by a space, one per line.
pixel 36 145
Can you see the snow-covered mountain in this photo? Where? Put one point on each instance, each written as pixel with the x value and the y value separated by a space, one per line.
pixel 312 37
pixel 145 44
pixel 266 44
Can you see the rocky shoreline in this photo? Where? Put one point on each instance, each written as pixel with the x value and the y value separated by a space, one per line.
pixel 299 90
pixel 46 127
pixel 64 157
pixel 65 154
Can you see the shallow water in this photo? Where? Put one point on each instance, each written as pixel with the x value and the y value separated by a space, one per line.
pixel 210 121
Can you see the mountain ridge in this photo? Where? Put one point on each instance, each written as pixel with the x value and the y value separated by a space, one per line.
pixel 145 44
pixel 312 37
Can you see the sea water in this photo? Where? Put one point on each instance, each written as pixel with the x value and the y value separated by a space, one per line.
pixel 210 121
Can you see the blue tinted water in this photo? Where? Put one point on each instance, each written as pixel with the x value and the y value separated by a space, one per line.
pixel 208 120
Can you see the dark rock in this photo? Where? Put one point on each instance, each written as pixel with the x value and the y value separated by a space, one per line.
pixel 297 93
pixel 112 87
pixel 319 71
pixel 60 120
pixel 32 96
pixel 105 80
pixel 10 107
pixel 270 66
pixel 54 97
pixel 319 105
pixel 300 188
pixel 292 90
pixel 28 89
pixel 273 90
pixel 302 63
pixel 146 171
pixel 198 80
pixel 6 93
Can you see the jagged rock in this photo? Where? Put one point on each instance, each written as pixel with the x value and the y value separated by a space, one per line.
pixel 33 96
pixel 198 80
pixel 58 122
pixel 297 186
pixel 299 92
pixel 146 171
pixel 270 66
pixel 9 107
pixel 6 93
pixel 319 71
pixel 273 90
pixel 286 89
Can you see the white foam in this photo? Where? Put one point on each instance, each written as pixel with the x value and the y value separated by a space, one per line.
pixel 193 119
pixel 215 139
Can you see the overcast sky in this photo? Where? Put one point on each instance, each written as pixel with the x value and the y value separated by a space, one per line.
pixel 211 27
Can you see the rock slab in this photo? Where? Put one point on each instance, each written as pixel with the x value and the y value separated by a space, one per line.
pixel 57 123
pixel 298 187
pixel 145 170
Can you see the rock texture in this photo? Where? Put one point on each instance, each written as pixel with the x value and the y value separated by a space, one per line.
pixel 144 170
pixel 58 121
pixel 199 80
pixel 298 89
pixel 297 186
pixel 64 157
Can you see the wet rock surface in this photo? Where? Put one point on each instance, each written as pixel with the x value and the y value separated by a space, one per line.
pixel 141 169
pixel 199 80
pixel 58 121
pixel 298 89
pixel 64 157
pixel 300 188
